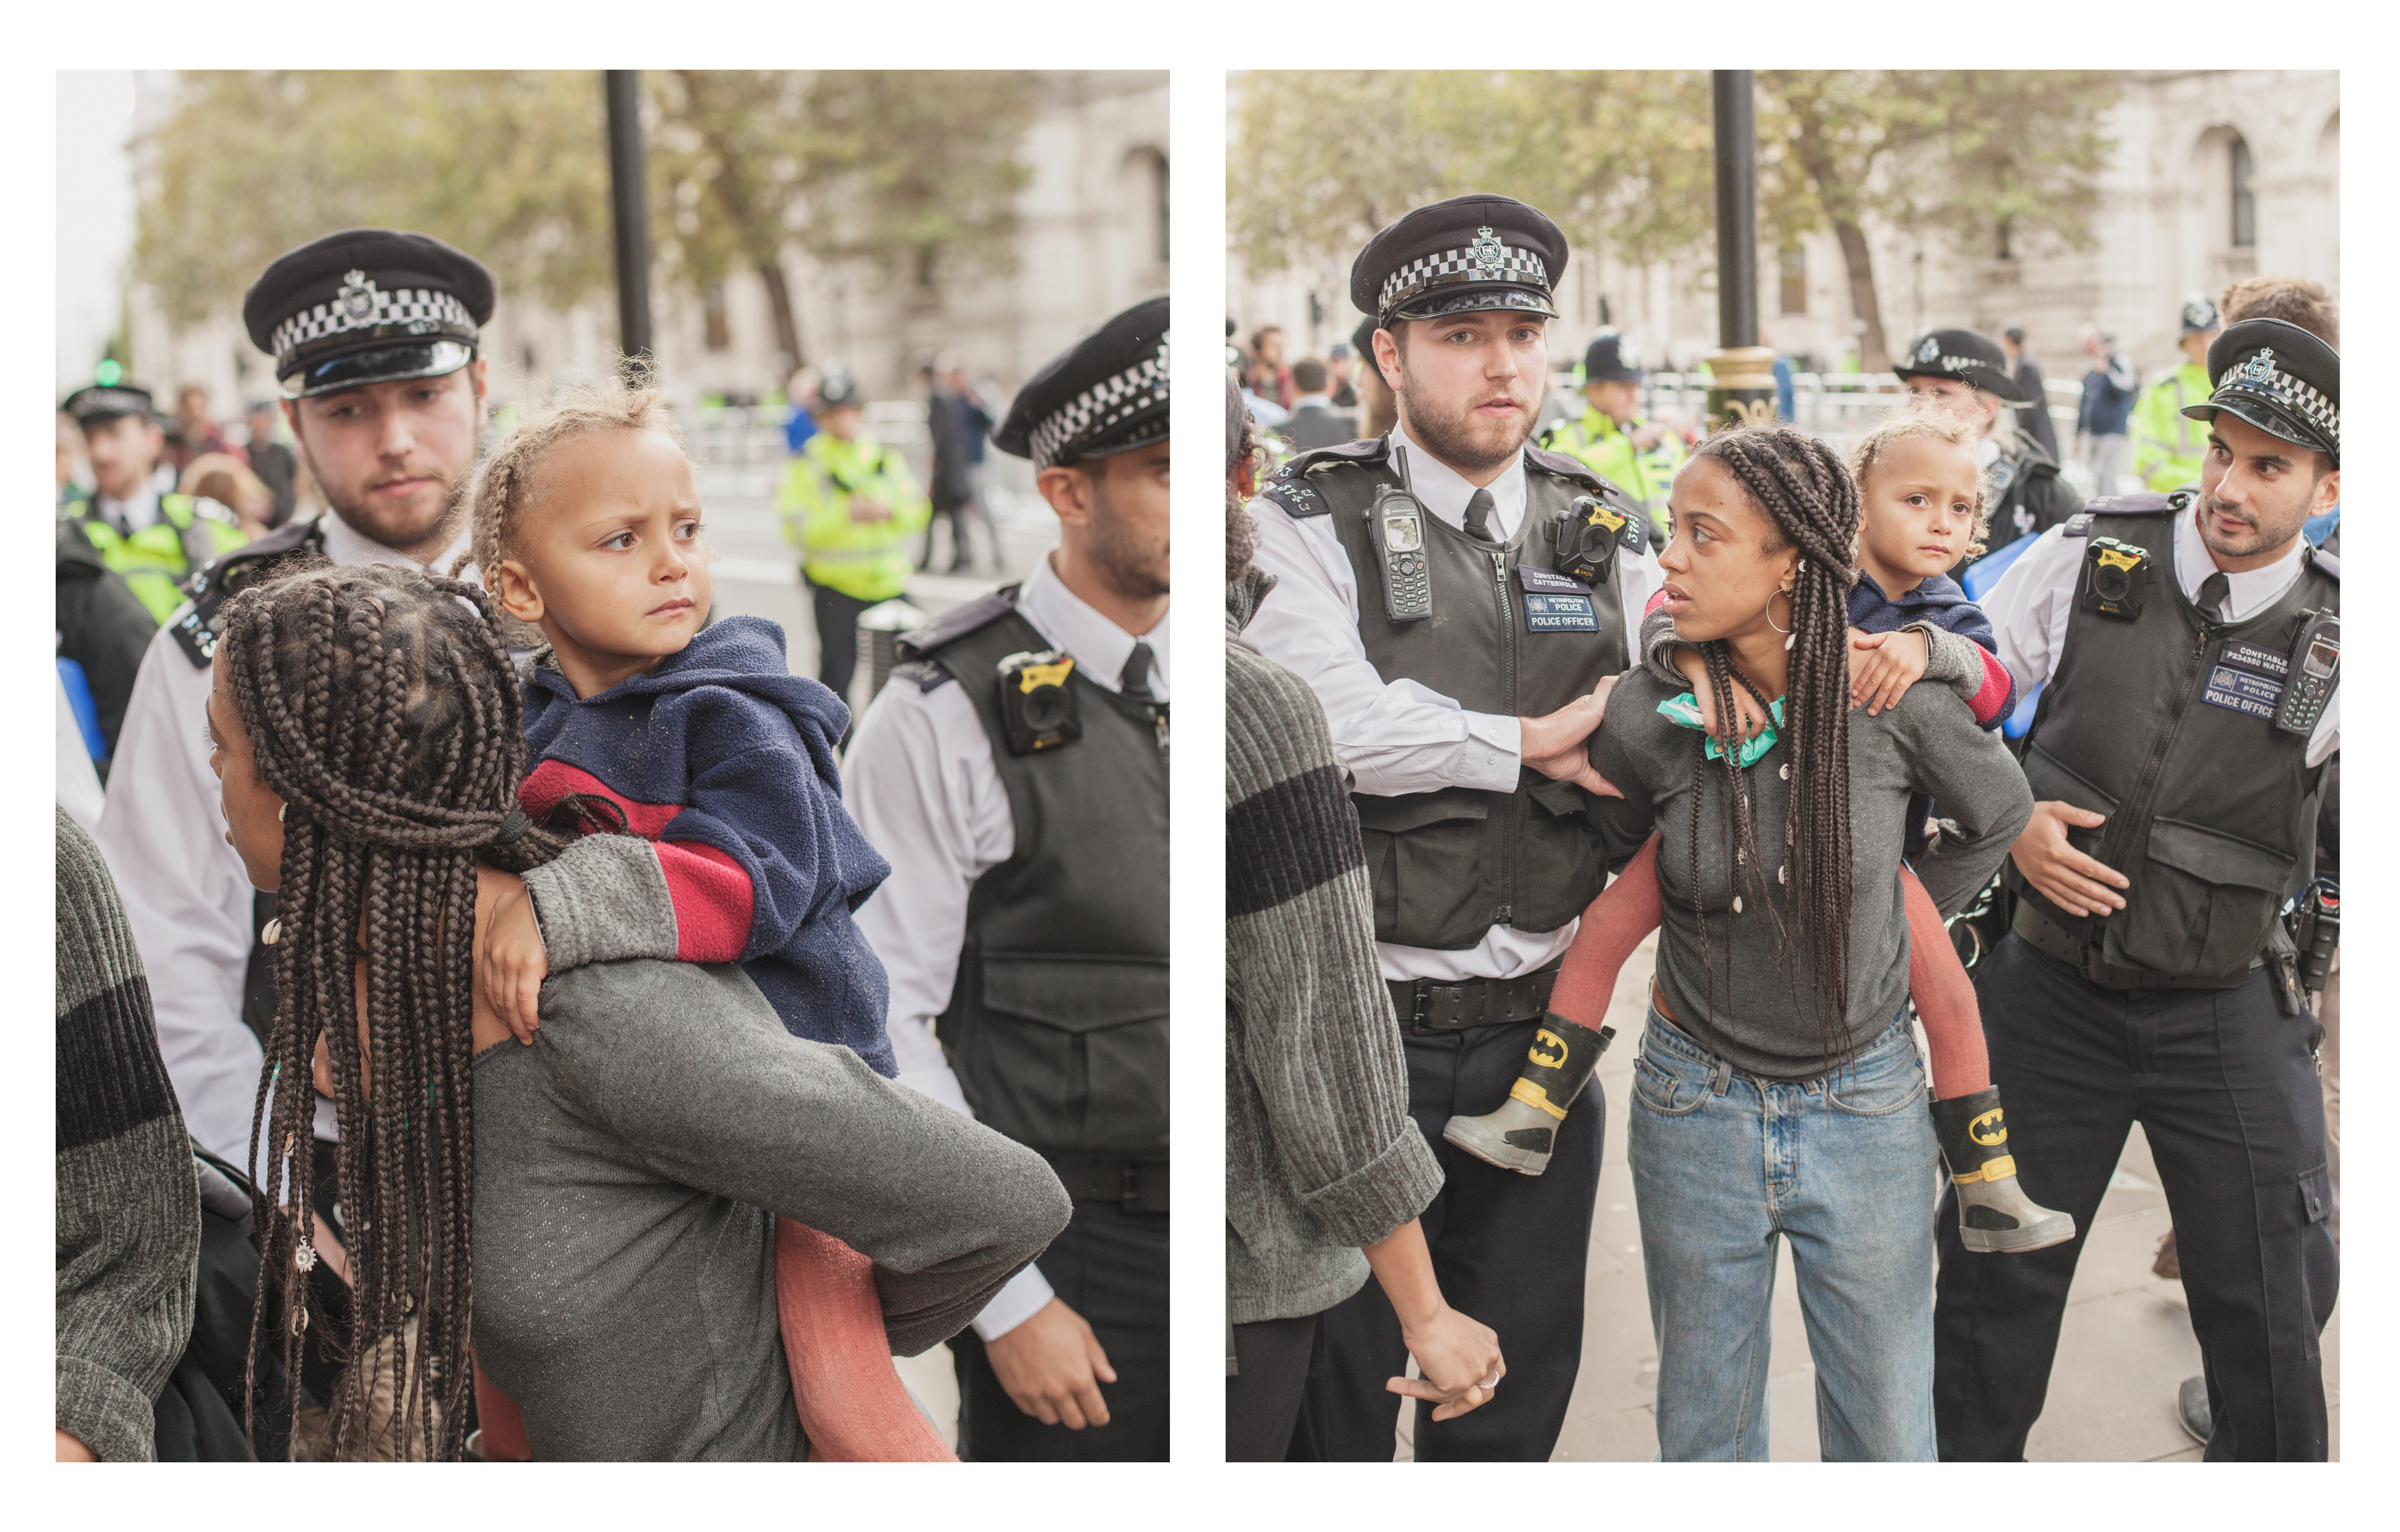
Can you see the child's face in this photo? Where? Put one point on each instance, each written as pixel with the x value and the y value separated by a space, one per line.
pixel 607 557
pixel 1917 507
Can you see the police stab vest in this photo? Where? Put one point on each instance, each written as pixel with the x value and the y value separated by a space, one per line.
pixel 1057 1022
pixel 1508 635
pixel 2164 722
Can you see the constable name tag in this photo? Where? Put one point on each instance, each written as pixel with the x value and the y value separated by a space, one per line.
pixel 2247 679
pixel 1556 603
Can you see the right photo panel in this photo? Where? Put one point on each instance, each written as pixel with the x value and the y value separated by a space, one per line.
pixel 1783 765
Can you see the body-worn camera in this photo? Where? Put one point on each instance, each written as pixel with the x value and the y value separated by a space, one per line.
pixel 1589 533
pixel 2119 572
pixel 1036 704
pixel 1398 522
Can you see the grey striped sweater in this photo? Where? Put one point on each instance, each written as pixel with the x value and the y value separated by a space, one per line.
pixel 1320 1154
pixel 128 1200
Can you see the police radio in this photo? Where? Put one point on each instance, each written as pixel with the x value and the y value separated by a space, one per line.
pixel 1588 534
pixel 1036 705
pixel 2316 670
pixel 1398 522
pixel 2119 571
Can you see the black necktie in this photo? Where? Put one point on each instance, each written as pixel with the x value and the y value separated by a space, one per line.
pixel 1135 682
pixel 1479 513
pixel 2213 592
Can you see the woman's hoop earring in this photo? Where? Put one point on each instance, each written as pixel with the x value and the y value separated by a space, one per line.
pixel 1790 633
pixel 283 809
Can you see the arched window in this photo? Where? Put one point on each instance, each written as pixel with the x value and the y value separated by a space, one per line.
pixel 2245 207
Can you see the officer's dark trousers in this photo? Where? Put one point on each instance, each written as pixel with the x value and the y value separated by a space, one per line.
pixel 2226 1091
pixel 837 636
pixel 1508 1249
pixel 1263 1399
pixel 1110 1266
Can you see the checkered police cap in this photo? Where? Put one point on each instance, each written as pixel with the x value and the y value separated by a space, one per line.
pixel 1466 254
pixel 2279 378
pixel 368 290
pixel 1105 394
pixel 1963 355
pixel 103 402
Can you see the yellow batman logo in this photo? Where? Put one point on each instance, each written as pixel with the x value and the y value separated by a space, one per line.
pixel 2111 558
pixel 1033 677
pixel 1988 1129
pixel 1544 1036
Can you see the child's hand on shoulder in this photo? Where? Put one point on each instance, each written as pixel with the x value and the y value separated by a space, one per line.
pixel 513 962
pixel 1885 665
pixel 1746 710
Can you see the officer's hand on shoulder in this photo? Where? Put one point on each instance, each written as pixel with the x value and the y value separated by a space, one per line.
pixel 1052 1367
pixel 2076 883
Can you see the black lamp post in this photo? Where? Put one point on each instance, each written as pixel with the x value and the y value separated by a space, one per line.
pixel 1742 372
pixel 629 203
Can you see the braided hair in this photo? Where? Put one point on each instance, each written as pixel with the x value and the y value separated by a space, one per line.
pixel 1811 502
pixel 382 708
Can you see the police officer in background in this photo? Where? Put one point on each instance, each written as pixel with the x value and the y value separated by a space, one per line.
pixel 1967 374
pixel 1014 772
pixel 1612 439
pixel 1421 594
pixel 851 507
pixel 154 540
pixel 373 335
pixel 2167 447
pixel 2189 649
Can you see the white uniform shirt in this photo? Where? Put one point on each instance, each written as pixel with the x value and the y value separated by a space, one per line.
pixel 186 896
pixel 921 782
pixel 1401 737
pixel 127 516
pixel 2030 606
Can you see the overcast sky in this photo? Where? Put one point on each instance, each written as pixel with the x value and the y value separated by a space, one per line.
pixel 95 215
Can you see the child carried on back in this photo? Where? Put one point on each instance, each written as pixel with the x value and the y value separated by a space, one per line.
pixel 1921 510
pixel 712 768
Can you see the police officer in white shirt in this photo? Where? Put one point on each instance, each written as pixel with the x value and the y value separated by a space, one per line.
pixel 2189 650
pixel 373 334
pixel 1459 602
pixel 1014 773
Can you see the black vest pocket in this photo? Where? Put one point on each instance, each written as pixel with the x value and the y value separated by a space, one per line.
pixel 2201 903
pixel 1560 861
pixel 1069 1054
pixel 1426 854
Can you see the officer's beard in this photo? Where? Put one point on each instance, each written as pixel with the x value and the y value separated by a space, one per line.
pixel 2262 534
pixel 1466 441
pixel 1133 565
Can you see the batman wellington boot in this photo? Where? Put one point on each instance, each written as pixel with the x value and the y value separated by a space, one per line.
pixel 1520 1134
pixel 1994 1214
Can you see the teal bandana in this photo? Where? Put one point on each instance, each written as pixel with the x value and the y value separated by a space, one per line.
pixel 1684 708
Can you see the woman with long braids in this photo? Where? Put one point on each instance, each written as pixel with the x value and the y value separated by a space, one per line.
pixel 367 731
pixel 1777 1090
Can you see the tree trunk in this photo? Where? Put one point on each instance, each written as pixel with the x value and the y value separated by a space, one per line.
pixel 1839 200
pixel 1872 352
pixel 787 325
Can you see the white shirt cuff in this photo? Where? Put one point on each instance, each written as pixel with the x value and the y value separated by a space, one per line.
pixel 1027 1293
pixel 1488 760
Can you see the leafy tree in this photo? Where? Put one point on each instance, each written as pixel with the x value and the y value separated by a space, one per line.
pixel 913 174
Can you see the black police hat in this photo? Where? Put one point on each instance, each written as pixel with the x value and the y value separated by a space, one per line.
pixel 1103 395
pixel 2279 378
pixel 101 403
pixel 1963 356
pixel 837 390
pixel 367 306
pixel 2199 314
pixel 1464 256
pixel 1611 358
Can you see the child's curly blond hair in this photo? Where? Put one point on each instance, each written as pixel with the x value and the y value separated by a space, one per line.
pixel 1919 419
pixel 570 412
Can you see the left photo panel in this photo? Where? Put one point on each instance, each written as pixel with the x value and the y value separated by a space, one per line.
pixel 613 684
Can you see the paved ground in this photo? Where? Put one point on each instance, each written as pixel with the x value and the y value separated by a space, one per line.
pixel 2126 1345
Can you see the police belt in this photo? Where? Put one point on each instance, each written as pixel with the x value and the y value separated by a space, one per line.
pixel 1136 1185
pixel 1425 1005
pixel 2053 940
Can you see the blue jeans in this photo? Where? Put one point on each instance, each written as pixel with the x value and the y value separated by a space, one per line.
pixel 1844 1167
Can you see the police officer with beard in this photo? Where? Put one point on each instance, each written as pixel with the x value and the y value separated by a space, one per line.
pixel 1014 772
pixel 1458 601
pixel 2189 651
pixel 373 334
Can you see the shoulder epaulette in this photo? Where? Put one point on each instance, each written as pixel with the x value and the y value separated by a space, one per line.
pixel 1289 488
pixel 924 673
pixel 1572 469
pixel 2139 505
pixel 195 625
pixel 1367 449
pixel 957 623
pixel 2327 564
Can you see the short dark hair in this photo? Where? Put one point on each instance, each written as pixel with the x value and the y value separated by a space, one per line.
pixel 1308 375
pixel 2294 300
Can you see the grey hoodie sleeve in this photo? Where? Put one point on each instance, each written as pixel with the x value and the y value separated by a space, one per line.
pixel 602 899
pixel 689 1065
pixel 1658 650
pixel 1953 659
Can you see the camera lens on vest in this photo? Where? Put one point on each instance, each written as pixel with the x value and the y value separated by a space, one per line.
pixel 1036 702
